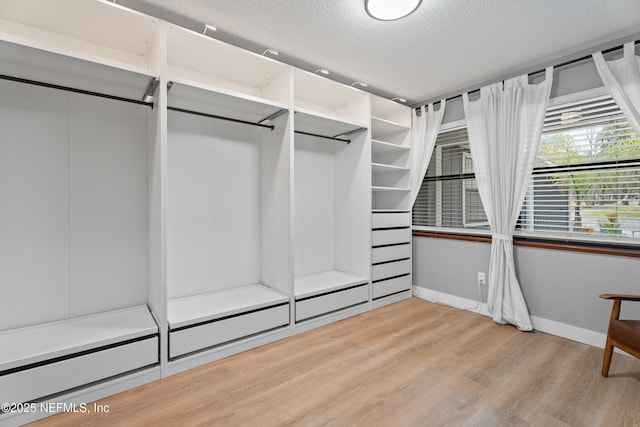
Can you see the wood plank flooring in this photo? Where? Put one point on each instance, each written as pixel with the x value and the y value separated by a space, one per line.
pixel 413 363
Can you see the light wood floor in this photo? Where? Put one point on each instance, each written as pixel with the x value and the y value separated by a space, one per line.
pixel 411 363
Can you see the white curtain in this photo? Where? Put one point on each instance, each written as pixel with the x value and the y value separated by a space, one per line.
pixel 622 78
pixel 504 128
pixel 424 132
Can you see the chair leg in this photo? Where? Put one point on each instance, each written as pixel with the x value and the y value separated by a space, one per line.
pixel 606 360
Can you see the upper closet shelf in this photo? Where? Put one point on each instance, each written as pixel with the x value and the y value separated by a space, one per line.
pixel 215 305
pixel 311 122
pixel 107 34
pixel 210 101
pixel 385 127
pixel 200 61
pixel 382 189
pixel 34 344
pixel 326 281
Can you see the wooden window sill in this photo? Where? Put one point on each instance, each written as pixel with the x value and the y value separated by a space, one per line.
pixel 586 247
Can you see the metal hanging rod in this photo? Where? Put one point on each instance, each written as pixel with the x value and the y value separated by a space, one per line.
pixel 214 116
pixel 350 132
pixel 333 138
pixel 75 90
pixel 275 115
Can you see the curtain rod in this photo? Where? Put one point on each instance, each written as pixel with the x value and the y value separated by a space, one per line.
pixel 74 90
pixel 214 116
pixel 563 64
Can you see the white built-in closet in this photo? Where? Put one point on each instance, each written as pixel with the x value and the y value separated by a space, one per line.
pixel 228 226
pixel 78 202
pixel 168 200
pixel 391 213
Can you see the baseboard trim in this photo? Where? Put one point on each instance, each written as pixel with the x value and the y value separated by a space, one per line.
pixel 574 333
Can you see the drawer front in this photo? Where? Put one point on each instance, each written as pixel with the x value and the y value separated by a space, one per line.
pixel 391 286
pixel 391 269
pixel 388 220
pixel 321 304
pixel 390 253
pixel 389 237
pixel 31 384
pixel 218 332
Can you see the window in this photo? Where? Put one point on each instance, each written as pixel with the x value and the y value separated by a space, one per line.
pixel 449 195
pixel 586 180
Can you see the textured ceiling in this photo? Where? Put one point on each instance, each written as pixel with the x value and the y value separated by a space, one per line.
pixel 446 46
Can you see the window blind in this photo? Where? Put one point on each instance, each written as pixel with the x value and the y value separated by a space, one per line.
pixel 449 195
pixel 586 179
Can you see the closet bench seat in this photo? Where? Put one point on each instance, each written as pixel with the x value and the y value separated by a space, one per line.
pixel 40 360
pixel 201 321
pixel 328 291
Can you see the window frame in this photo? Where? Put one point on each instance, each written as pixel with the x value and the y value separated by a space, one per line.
pixel 622 246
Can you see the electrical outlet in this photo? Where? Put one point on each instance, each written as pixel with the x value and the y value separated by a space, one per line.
pixel 481 278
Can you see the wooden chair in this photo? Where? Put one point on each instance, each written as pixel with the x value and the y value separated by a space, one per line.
pixel 624 334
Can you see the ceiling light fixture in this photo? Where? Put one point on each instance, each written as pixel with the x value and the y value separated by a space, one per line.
pixel 404 101
pixel 390 10
pixel 271 51
pixel 209 27
pixel 362 84
pixel 321 71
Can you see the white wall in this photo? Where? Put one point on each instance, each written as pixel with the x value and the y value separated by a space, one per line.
pixel 561 286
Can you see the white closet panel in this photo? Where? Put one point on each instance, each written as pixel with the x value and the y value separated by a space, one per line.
pixel 190 205
pixel 237 213
pixel 214 231
pixel 34 200
pixel 108 204
pixel 315 187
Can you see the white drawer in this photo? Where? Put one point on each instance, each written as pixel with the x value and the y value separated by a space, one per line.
pixel 393 219
pixel 321 304
pixel 391 269
pixel 389 237
pixel 41 381
pixel 391 286
pixel 199 337
pixel 390 253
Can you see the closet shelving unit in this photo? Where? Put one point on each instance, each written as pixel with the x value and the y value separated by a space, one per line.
pixel 391 213
pixel 79 305
pixel 331 182
pixel 228 251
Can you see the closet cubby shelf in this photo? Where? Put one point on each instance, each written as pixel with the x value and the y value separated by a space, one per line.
pixel 49 26
pixel 46 341
pixel 391 189
pixel 385 168
pixel 381 147
pixel 326 281
pixel 386 127
pixel 215 305
pixel 389 211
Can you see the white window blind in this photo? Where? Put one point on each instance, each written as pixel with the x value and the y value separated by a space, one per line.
pixel 449 197
pixel 586 180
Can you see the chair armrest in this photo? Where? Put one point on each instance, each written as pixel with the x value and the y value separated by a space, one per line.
pixel 621 297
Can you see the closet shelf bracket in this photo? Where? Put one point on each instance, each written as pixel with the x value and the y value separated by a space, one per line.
pixel 275 115
pixel 214 116
pixel 333 138
pixel 351 132
pixel 151 89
